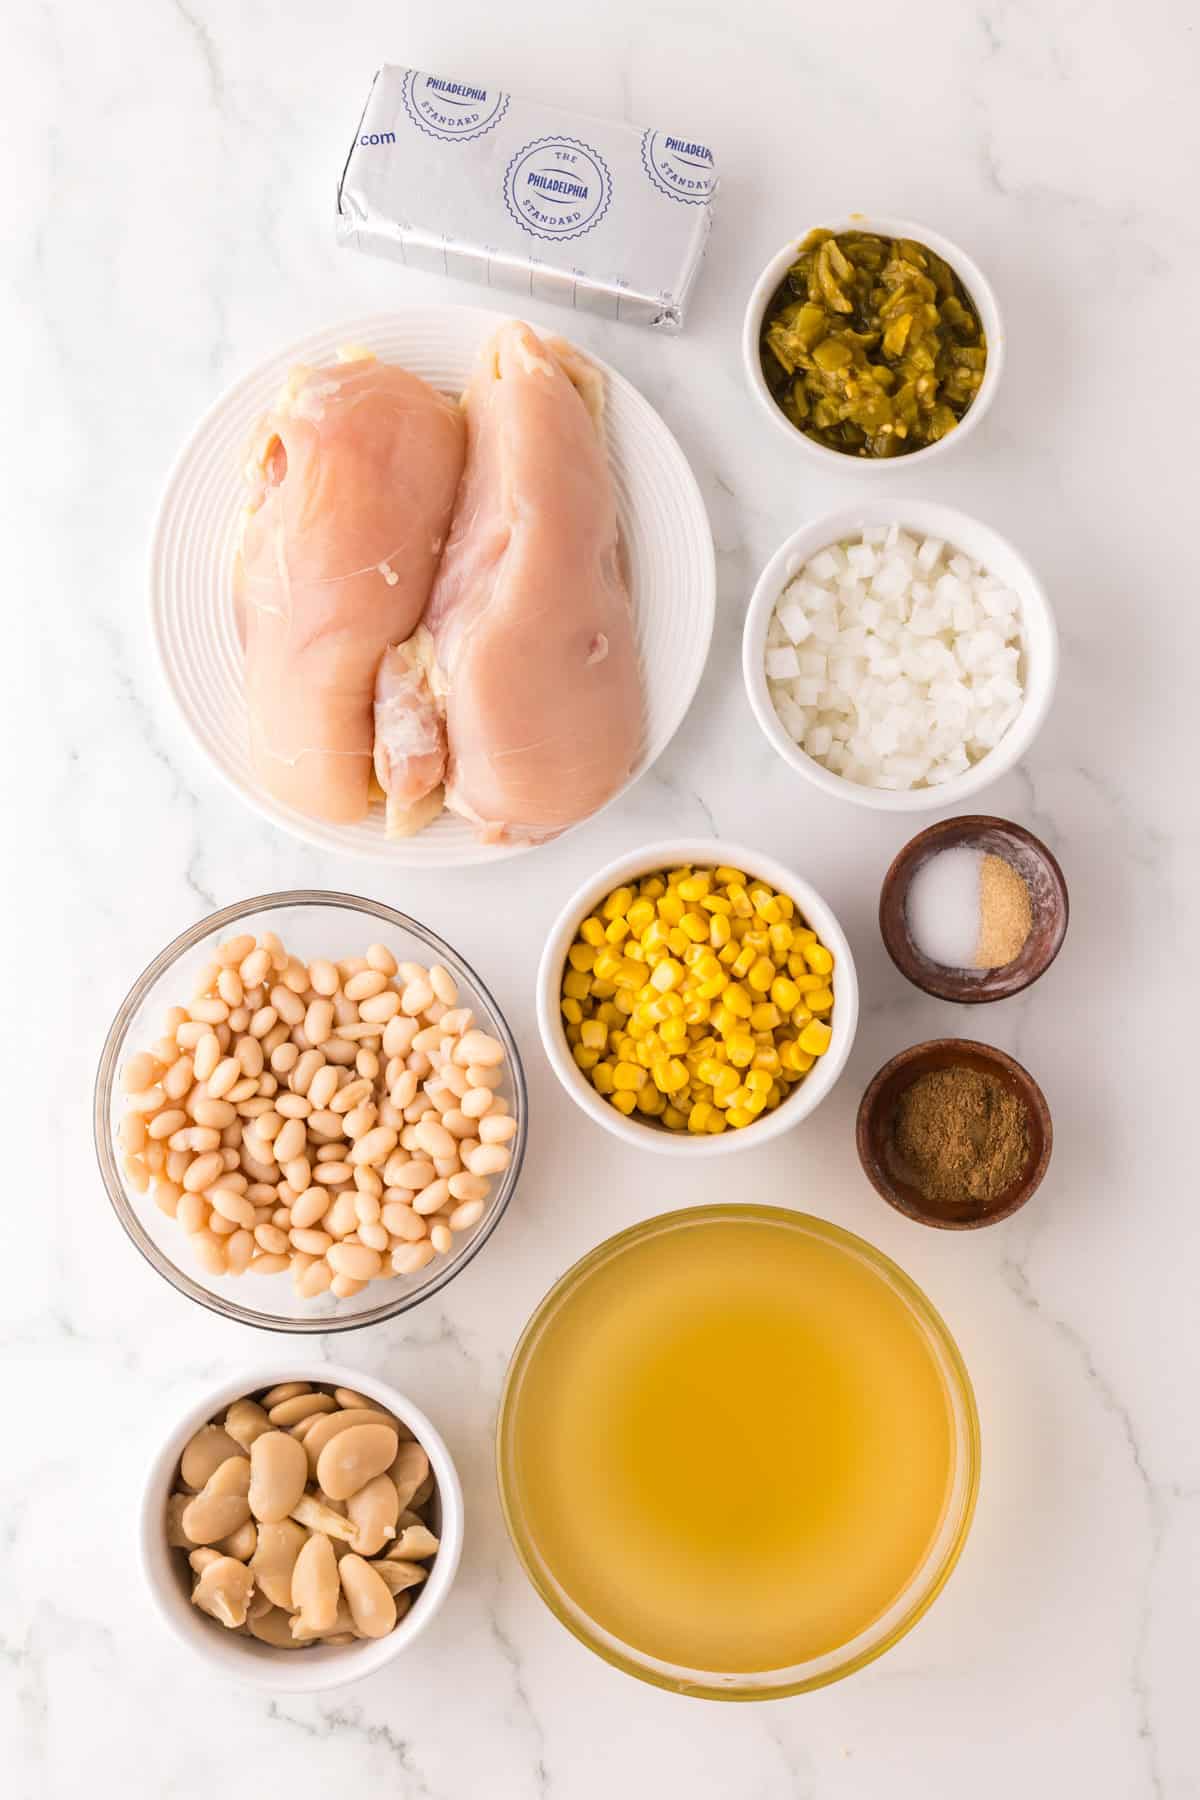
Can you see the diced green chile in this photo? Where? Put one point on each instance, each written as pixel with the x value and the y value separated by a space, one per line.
pixel 871 345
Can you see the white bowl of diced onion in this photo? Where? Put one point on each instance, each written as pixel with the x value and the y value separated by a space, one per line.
pixel 899 531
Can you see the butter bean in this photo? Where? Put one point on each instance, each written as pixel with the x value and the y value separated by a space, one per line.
pixel 315 1585
pixel 245 1421
pixel 223 1591
pixel 354 1457
pixel 409 1469
pixel 371 1604
pixel 373 1512
pixel 300 1406
pixel 278 1469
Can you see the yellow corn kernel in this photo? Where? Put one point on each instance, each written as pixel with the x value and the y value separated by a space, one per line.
pixel 739 1116
pixel 677 940
pixel 652 888
pixel 594 1034
pixel 669 1074
pixel 667 975
pixel 758 1081
pixel 717 904
pixel 820 1000
pixel 804 980
pixel 716 1123
pixel 571 1011
pixel 710 1070
pixel 648 1051
pixel 674 1032
pixel 695 925
pixel 740 1048
pixel 725 1084
pixel 819 959
pixel 574 1034
pixel 577 985
pixel 737 1001
pixel 650 1101
pixel 587 1059
pixel 622 1001
pixel 670 908
pixel 602 990
pixel 654 935
pixel 763 1016
pixel 802 1062
pixel 639 1029
pixel 608 961
pixel 694 887
pixel 784 993
pixel 628 1078
pixel 602 1078
pixel 727 955
pixel 673 1119
pixel 629 974
pixel 799 1016
pixel 768 909
pixel 725 876
pixel 640 914
pixel 815 1037
pixel 721 1019
pixel 608 1013
pixel 617 931
pixel 755 1104
pixel 766 1057
pixel 617 904
pixel 761 974
pixel 739 899
pixel 624 1100
pixel 719 931
pixel 781 937
pixel 582 957
pixel 592 931
pixel 624 1048
pixel 744 961
pixel 701 1113
pixel 805 935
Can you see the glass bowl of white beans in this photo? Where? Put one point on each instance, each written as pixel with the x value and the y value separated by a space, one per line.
pixel 309 1113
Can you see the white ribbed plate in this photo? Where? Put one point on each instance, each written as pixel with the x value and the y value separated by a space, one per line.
pixel 663 525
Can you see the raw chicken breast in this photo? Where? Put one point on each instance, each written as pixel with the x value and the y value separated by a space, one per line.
pixel 353 479
pixel 534 667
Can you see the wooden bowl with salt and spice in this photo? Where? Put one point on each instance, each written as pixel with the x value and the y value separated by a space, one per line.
pixel 954 1134
pixel 973 909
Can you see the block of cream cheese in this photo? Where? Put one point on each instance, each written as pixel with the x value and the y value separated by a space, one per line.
pixel 465 180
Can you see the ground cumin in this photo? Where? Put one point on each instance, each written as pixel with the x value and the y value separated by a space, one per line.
pixel 959 1135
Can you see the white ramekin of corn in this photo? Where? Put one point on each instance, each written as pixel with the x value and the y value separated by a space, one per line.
pixel 695 998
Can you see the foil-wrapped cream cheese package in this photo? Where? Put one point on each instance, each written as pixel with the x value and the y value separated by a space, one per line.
pixel 529 199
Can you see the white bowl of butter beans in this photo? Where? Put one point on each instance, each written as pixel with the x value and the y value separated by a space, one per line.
pixel 301 1525
pixel 309 1112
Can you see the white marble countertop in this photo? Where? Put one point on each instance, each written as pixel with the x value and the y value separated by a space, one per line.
pixel 176 168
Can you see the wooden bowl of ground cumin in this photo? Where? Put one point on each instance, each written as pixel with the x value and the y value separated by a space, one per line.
pixel 954 1134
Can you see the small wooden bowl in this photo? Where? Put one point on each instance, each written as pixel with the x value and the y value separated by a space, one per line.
pixel 876 1119
pixel 1041 874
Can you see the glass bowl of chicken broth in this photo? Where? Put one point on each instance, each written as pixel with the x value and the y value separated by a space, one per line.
pixel 309 1113
pixel 790 1451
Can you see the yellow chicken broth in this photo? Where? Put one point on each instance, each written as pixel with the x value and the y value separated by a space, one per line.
pixel 731 1445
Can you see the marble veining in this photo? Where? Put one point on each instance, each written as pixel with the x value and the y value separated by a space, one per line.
pixel 170 225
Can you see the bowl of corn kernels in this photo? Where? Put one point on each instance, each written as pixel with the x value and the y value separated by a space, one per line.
pixel 695 998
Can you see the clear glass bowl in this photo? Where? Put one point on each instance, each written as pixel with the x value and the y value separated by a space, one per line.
pixel 923 1587
pixel 310 923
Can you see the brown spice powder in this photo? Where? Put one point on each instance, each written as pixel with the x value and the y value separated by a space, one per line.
pixel 959 1135
pixel 1005 913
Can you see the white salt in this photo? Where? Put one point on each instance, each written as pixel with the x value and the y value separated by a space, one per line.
pixel 942 907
